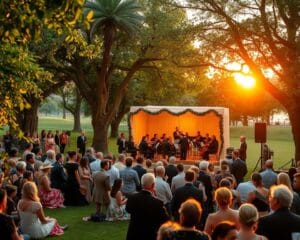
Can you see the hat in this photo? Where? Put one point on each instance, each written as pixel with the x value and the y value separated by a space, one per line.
pixel 45 166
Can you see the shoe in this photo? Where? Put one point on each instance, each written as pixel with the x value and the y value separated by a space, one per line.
pixel 65 227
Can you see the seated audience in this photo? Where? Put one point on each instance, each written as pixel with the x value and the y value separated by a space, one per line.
pixel 223 198
pixel 8 229
pixel 116 209
pixel 190 214
pixel 281 223
pixel 49 197
pixel 32 219
pixel 248 217
pixel 225 231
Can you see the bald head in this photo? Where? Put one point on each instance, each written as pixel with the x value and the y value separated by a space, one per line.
pixel 269 164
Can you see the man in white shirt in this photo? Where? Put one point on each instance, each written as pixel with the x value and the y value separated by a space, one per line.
pixel 113 172
pixel 120 164
pixel 178 180
pixel 96 165
pixel 162 188
pixel 50 157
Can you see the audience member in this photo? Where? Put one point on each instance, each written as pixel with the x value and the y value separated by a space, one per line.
pixel 259 197
pixel 248 217
pixel 49 197
pixel 58 175
pixel 269 177
pixel 113 172
pixel 96 165
pixel 50 157
pixel 162 188
pixel 90 154
pixel 116 210
pixel 7 226
pixel 63 140
pixel 166 230
pixel 205 179
pixel 85 178
pixel 73 195
pixel 101 188
pixel 139 167
pixel 50 142
pixel 281 223
pixel 178 180
pixel 223 198
pixel 130 178
pixel 185 192
pixel 32 219
pixel 238 167
pixel 224 172
pixel 243 148
pixel 190 214
pixel 296 183
pixel 225 231
pixel 120 164
pixel 244 189
pixel 171 170
pixel 283 178
pixel 146 211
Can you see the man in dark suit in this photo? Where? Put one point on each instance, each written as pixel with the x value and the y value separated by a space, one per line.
pixel 243 148
pixel 81 143
pixel 181 194
pixel 139 167
pixel 171 170
pixel 147 212
pixel 238 167
pixel 58 176
pixel 281 224
pixel 184 146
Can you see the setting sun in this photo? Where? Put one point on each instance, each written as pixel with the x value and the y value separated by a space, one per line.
pixel 244 80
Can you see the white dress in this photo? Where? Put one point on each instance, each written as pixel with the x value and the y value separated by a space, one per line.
pixel 30 223
pixel 116 212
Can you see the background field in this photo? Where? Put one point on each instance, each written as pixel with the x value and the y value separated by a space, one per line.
pixel 278 138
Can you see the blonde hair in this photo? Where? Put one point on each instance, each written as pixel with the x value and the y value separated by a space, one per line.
pixel 248 214
pixel 30 191
pixel 283 178
pixel 165 230
pixel 223 196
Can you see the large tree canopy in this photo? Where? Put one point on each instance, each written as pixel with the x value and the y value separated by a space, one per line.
pixel 265 35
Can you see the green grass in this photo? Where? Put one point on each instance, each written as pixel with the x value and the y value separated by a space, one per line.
pixel 80 229
pixel 279 139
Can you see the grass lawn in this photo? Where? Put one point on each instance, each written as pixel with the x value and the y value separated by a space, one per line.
pixel 279 140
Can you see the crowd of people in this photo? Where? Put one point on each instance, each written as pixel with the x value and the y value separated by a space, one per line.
pixel 162 200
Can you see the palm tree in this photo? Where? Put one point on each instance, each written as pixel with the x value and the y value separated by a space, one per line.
pixel 109 17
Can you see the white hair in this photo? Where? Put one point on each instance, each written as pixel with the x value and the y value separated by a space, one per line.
pixel 203 165
pixel 172 159
pixel 50 154
pixel 160 171
pixel 21 165
pixel 283 194
pixel 147 180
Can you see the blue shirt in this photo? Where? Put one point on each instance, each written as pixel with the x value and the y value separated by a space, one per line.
pixel 130 179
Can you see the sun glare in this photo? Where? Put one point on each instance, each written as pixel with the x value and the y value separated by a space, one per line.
pixel 244 81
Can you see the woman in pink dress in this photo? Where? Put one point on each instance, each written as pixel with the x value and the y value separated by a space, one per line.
pixel 49 197
pixel 50 143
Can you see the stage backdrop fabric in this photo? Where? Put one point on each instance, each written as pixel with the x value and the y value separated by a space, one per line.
pixel 164 119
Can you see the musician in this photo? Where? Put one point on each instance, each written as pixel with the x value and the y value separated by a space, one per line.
pixel 184 146
pixel 212 148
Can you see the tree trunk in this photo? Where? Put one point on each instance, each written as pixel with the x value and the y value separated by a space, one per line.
pixel 114 128
pixel 64 113
pixel 29 118
pixel 76 113
pixel 77 123
pixel 64 104
pixel 294 115
pixel 100 127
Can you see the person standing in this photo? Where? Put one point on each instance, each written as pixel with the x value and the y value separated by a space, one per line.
pixel 122 143
pixel 130 178
pixel 281 223
pixel 101 187
pixel 243 148
pixel 184 146
pixel 63 140
pixel 58 175
pixel 146 211
pixel 81 143
pixel 269 177
pixel 238 167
